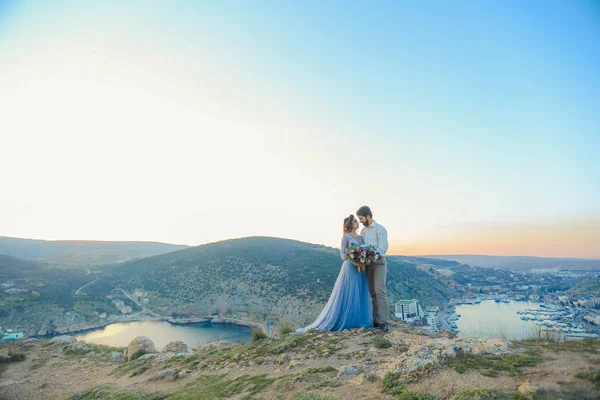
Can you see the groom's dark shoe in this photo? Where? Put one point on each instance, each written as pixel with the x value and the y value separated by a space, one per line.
pixel 383 327
pixel 375 324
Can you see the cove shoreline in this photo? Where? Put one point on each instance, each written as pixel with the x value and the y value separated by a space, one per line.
pixel 83 327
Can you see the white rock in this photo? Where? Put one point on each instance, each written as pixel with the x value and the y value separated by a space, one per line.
pixel 176 347
pixel 349 371
pixel 81 346
pixel 64 339
pixel 149 356
pixel 163 375
pixel 215 345
pixel 139 345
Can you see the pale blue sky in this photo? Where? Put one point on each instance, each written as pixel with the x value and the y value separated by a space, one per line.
pixel 462 118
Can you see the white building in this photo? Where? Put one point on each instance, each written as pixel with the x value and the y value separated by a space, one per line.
pixel 118 303
pixel 126 310
pixel 564 299
pixel 409 310
pixel 433 322
pixel 534 297
pixel 433 319
pixel 545 270
pixel 16 290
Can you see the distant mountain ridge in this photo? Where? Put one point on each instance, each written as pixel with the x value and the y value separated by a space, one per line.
pixel 519 262
pixel 98 252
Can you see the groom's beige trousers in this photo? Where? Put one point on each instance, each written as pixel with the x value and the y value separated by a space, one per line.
pixel 376 276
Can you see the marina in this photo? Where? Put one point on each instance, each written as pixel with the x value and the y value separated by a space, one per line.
pixel 563 320
pixel 500 315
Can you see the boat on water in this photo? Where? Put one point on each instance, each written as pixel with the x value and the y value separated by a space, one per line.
pixel 549 306
pixel 582 335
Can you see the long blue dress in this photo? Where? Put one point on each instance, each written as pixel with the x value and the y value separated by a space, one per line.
pixel 349 305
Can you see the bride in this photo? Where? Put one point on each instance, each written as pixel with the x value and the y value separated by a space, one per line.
pixel 349 305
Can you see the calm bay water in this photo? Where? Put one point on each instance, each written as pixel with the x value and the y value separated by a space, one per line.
pixel 162 332
pixel 490 319
pixel 487 319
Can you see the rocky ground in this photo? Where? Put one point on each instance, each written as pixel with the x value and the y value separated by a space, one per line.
pixel 359 364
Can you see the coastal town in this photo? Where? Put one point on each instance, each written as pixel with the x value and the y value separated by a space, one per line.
pixel 574 319
pixel 557 312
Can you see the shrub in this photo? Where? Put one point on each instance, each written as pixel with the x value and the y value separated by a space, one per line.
pixel 284 329
pixel 493 365
pixel 482 394
pixel 14 356
pixel 392 384
pixel 18 357
pixel 258 334
pixel 410 395
pixel 138 354
pixel 380 342
pixel 311 396
pixel 592 377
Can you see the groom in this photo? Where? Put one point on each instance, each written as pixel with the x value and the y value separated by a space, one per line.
pixel 376 235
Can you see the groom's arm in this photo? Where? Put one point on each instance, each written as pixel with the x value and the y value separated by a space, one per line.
pixel 382 241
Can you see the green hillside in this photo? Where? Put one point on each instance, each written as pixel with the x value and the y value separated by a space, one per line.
pixel 257 278
pixel 589 287
pixel 16 268
pixel 266 278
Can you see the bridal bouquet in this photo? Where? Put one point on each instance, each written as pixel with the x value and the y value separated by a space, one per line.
pixel 361 256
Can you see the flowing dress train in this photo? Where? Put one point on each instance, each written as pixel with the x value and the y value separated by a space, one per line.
pixel 349 305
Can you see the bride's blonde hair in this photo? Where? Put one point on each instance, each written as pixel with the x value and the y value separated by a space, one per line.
pixel 349 224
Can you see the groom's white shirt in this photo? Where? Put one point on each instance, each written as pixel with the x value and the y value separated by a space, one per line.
pixel 376 235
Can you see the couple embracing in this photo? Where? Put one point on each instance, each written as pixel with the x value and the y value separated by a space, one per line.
pixel 359 297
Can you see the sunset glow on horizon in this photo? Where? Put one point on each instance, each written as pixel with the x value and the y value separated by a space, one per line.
pixel 527 239
pixel 468 128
